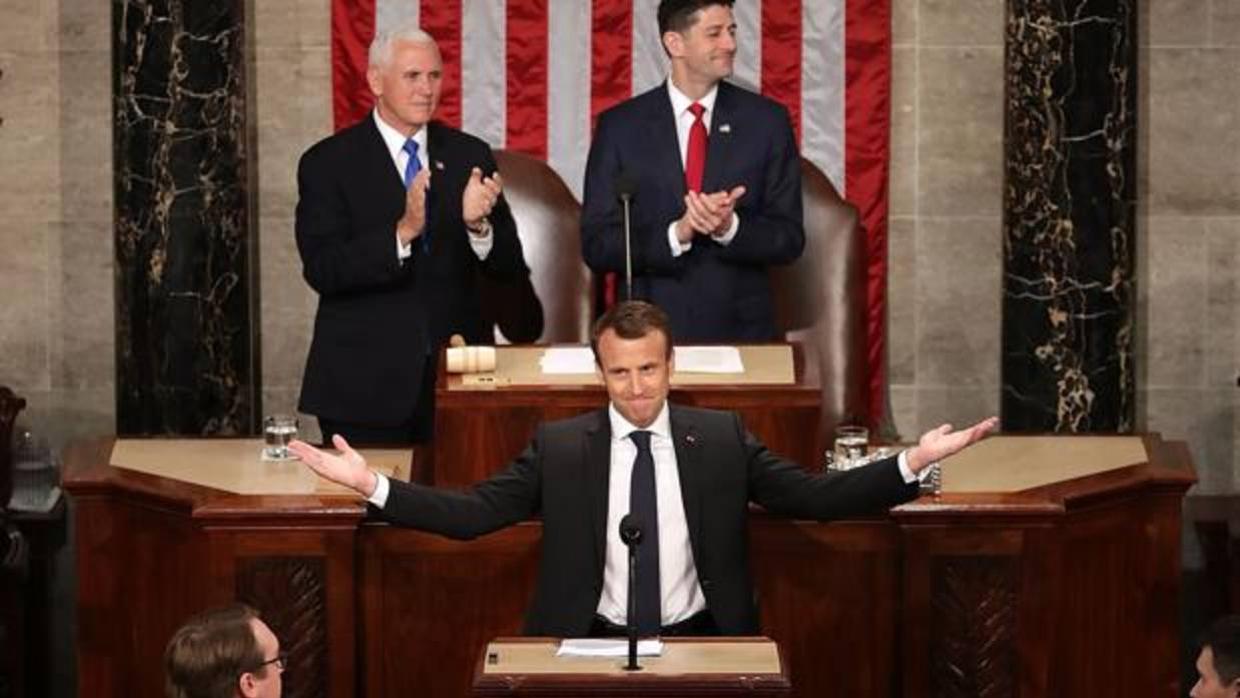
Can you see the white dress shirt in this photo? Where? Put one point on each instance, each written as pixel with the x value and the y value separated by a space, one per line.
pixel 684 121
pixel 395 142
pixel 678 581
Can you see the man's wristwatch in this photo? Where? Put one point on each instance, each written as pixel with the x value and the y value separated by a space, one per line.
pixel 483 229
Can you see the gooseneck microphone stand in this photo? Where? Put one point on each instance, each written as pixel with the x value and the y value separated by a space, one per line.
pixel 631 534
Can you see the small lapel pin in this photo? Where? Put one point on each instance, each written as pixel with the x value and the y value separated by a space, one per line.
pixel 690 439
pixel 725 128
pixel 439 165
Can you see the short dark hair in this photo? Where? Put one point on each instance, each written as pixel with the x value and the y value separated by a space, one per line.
pixel 208 654
pixel 1223 639
pixel 632 320
pixel 677 15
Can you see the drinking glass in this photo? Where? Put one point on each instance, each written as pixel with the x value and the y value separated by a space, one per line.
pixel 278 430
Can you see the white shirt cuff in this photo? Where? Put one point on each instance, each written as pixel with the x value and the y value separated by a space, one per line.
pixel 730 233
pixel 902 461
pixel 380 495
pixel 481 244
pixel 678 247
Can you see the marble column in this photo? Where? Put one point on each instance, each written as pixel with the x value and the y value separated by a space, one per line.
pixel 185 321
pixel 1069 216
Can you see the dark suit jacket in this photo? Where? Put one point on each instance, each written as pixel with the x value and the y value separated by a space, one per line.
pixel 378 318
pixel 712 293
pixel 563 475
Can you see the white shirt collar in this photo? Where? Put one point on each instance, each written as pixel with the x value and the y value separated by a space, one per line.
pixel 621 427
pixel 680 103
pixel 395 140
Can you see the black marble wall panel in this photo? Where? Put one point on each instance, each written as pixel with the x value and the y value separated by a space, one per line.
pixel 1069 215
pixel 185 334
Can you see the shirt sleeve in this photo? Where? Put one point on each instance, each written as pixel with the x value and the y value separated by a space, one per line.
pixel 382 487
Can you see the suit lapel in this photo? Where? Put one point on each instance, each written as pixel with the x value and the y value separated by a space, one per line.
pixel 686 442
pixel 379 159
pixel 719 145
pixel 597 458
pixel 443 170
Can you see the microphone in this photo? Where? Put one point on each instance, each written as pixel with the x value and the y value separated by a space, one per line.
pixel 631 534
pixel 626 188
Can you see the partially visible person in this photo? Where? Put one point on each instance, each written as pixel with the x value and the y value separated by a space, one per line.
pixel 398 217
pixel 224 653
pixel 1218 664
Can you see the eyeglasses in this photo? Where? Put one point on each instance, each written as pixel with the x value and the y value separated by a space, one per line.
pixel 279 661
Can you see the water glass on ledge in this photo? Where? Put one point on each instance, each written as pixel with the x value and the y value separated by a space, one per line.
pixel 850 448
pixel 278 431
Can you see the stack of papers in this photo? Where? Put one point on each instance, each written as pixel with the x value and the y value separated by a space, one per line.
pixel 590 647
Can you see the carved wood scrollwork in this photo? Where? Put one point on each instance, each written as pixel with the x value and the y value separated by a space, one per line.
pixel 973 626
pixel 290 593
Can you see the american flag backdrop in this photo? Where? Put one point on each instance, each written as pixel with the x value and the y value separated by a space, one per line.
pixel 532 75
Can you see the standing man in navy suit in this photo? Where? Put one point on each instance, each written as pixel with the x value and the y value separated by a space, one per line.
pixel 398 218
pixel 718 178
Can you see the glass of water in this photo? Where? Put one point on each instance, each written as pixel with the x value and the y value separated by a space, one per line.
pixel 278 430
pixel 851 444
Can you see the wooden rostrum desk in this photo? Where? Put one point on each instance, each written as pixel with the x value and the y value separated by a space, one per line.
pixel 1050 567
pixel 480 427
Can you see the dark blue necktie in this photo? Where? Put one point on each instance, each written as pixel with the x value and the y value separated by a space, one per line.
pixel 644 506
pixel 411 167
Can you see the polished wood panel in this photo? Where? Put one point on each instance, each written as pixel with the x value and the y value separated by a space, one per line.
pixel 1070 589
pixel 668 676
pixel 478 432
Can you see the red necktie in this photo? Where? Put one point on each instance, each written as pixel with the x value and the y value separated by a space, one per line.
pixel 695 155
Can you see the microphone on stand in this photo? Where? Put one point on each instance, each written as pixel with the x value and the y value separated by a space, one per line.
pixel 631 534
pixel 626 187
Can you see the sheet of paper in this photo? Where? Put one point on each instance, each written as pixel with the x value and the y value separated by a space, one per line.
pixel 593 647
pixel 711 359
pixel 567 360
pixel 718 359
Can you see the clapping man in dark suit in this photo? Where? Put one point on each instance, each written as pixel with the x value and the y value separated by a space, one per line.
pixel 398 216
pixel 718 185
pixel 687 476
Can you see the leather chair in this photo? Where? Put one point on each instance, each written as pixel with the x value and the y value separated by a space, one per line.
pixel 548 219
pixel 10 405
pixel 820 300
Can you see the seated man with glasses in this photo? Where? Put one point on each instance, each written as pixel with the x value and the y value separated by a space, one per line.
pixel 223 653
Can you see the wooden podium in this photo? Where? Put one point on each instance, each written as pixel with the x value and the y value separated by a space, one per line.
pixel 1050 566
pixel 481 426
pixel 700 667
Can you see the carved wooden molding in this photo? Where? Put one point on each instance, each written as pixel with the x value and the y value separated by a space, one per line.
pixel 973 626
pixel 290 593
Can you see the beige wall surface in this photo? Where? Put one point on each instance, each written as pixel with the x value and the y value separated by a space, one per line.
pixel 56 342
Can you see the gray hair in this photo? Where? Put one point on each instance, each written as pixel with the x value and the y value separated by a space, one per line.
pixel 381 47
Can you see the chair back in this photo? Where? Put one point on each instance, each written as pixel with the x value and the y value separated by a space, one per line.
pixel 820 300
pixel 10 405
pixel 548 223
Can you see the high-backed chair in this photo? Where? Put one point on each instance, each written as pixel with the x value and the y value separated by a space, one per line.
pixel 10 405
pixel 820 299
pixel 548 219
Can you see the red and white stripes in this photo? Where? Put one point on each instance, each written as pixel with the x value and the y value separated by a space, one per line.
pixel 532 75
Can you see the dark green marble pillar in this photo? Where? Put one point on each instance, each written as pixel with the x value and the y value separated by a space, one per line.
pixel 185 311
pixel 1069 216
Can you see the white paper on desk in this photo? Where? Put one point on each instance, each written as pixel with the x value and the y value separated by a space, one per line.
pixel 709 359
pixel 567 360
pixel 592 647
